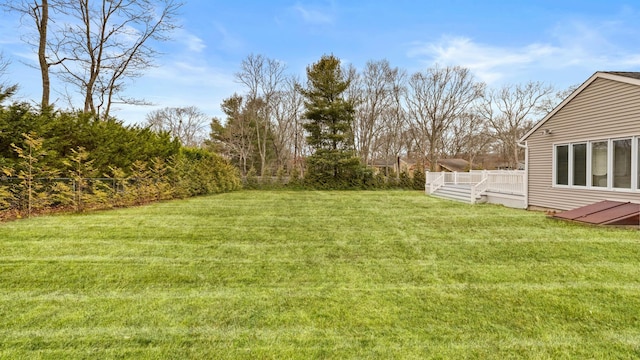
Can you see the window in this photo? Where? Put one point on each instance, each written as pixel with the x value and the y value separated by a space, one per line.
pixel 562 165
pixel 622 164
pixel 579 164
pixel 599 164
pixel 609 164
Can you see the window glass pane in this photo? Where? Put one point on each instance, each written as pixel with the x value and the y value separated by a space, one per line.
pixel 599 164
pixel 580 164
pixel 622 164
pixel 562 165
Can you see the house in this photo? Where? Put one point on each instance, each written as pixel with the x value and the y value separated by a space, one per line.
pixel 453 165
pixel 393 166
pixel 587 149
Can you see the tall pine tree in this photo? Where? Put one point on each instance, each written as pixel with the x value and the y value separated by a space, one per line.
pixel 329 116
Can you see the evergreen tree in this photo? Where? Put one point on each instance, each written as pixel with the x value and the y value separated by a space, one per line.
pixel 329 115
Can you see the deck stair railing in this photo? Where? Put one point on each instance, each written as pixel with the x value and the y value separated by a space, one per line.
pixel 478 189
pixel 436 182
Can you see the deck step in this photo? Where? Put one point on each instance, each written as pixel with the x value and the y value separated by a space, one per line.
pixel 454 192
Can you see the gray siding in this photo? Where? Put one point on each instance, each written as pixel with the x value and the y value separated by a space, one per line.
pixel 604 109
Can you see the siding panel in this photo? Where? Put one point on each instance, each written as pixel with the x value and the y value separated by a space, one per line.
pixel 604 109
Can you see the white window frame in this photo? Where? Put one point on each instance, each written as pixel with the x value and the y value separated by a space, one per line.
pixel 555 165
pixel 635 164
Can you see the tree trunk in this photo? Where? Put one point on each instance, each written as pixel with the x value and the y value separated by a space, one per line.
pixel 42 58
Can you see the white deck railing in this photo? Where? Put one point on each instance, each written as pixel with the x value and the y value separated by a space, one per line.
pixel 511 182
pixel 435 183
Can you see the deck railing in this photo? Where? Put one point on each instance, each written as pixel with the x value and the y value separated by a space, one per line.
pixel 511 182
pixel 479 188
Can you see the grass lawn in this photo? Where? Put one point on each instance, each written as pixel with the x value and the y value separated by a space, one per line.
pixel 279 275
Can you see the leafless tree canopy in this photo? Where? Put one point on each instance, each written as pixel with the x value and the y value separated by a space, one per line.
pixel 97 46
pixel 467 138
pixel 187 124
pixel 376 90
pixel 436 99
pixel 511 111
pixel 36 13
pixel 288 137
pixel 263 79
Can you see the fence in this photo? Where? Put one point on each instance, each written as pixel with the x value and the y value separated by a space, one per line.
pixel 26 195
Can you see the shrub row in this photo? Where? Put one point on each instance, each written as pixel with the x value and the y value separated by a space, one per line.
pixel 365 180
pixel 32 186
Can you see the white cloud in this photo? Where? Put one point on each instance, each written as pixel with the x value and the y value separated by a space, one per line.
pixel 314 15
pixel 177 83
pixel 574 46
pixel 190 41
pixel 631 61
pixel 488 62
pixel 191 73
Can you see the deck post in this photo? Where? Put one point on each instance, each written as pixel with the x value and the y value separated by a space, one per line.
pixel 473 193
pixel 426 182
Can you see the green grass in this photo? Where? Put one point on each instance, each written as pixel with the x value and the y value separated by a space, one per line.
pixel 278 275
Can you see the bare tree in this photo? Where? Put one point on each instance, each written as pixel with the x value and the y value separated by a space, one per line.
pixel 186 124
pixel 287 134
pixel 511 111
pixel 105 43
pixel 391 140
pixel 37 13
pixel 548 103
pixel 41 18
pixel 263 78
pixel 468 137
pixel 376 89
pixel 436 98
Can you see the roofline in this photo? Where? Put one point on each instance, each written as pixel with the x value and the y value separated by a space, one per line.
pixel 596 75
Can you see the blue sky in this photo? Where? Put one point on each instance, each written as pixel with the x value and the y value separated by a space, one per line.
pixel 558 42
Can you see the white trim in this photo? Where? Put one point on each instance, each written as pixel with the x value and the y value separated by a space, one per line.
pixel 526 174
pixel 610 164
pixel 635 165
pixel 589 160
pixel 570 165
